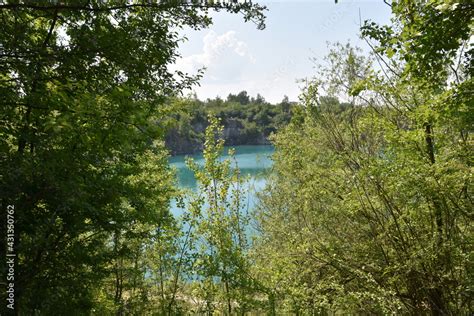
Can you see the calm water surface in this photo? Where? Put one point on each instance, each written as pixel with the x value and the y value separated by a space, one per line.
pixel 253 161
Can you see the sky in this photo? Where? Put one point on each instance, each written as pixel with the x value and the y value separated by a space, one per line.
pixel 237 56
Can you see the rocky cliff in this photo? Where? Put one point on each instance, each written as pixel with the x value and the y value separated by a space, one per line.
pixel 190 140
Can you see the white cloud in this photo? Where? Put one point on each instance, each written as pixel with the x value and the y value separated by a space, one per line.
pixel 223 56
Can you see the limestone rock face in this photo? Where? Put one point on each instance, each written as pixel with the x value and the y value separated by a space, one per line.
pixel 232 129
pixel 190 141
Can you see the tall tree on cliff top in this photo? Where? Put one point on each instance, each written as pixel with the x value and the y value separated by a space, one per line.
pixel 81 85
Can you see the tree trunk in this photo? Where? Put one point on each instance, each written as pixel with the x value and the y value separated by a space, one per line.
pixel 271 301
pixel 229 304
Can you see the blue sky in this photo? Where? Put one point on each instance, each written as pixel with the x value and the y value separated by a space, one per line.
pixel 240 57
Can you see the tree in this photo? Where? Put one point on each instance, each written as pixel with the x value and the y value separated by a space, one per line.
pixel 242 98
pixel 83 85
pixel 369 210
pixel 222 227
pixel 285 104
pixel 259 99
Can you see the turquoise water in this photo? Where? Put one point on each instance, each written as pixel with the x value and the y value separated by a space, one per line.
pixel 253 161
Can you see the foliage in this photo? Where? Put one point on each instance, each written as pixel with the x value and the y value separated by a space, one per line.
pixel 370 207
pixel 246 120
pixel 368 211
pixel 83 86
pixel 221 266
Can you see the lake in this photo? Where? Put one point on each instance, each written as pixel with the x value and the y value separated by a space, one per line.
pixel 252 160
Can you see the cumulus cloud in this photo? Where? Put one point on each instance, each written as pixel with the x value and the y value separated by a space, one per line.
pixel 223 56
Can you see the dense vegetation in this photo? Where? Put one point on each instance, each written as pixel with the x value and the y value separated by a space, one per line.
pixel 83 85
pixel 368 209
pixel 246 120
